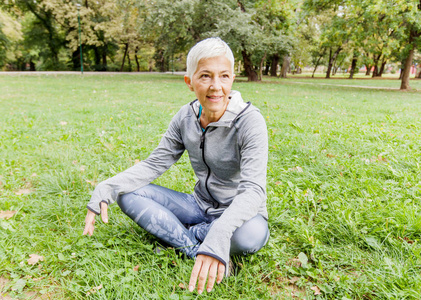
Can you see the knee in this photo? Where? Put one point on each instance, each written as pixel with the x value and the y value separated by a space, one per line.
pixel 250 237
pixel 123 202
pixel 127 201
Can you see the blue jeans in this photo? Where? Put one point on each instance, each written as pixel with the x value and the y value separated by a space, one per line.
pixel 176 219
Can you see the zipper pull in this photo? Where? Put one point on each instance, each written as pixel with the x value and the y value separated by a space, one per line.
pixel 202 140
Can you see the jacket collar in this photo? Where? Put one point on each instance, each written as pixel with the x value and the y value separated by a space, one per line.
pixel 235 108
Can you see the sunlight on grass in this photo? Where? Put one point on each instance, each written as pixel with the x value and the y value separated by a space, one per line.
pixel 344 189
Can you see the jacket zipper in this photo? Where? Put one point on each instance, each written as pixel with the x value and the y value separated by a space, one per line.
pixel 202 146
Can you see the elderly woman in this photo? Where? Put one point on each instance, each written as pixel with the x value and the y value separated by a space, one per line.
pixel 226 140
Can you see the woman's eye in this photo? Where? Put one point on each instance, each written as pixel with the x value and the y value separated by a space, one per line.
pixel 204 76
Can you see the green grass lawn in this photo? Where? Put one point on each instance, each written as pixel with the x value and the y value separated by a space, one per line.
pixel 344 189
pixel 381 83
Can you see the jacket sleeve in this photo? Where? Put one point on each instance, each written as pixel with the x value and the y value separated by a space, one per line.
pixel 167 153
pixel 251 193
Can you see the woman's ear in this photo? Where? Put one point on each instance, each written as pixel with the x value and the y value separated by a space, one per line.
pixel 187 80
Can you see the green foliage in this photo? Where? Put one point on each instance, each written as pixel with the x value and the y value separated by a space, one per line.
pixel 157 34
pixel 4 42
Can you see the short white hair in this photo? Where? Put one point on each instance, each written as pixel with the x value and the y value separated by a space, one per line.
pixel 208 48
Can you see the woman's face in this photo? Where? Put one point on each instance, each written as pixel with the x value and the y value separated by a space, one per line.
pixel 212 84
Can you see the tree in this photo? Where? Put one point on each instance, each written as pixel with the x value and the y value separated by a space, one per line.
pixel 10 35
pixel 255 30
pixel 335 32
pixel 169 27
pixel 4 41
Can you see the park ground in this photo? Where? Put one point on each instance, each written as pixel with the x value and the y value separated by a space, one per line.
pixel 343 188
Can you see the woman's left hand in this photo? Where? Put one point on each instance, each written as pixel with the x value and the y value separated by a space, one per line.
pixel 206 267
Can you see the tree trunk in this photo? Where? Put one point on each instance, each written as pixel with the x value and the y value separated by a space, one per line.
pixel 124 57
pixel 129 61
pixel 353 65
pixel 261 66
pixel 248 66
pixel 285 66
pixel 267 67
pixel 407 68
pixel 160 60
pixel 334 68
pixel 31 66
pixel 76 59
pixel 137 60
pixel 104 58
pixel 337 65
pixel 332 58
pixel 97 56
pixel 368 71
pixel 317 63
pixel 376 66
pixel 375 71
pixel 274 65
pixel 382 68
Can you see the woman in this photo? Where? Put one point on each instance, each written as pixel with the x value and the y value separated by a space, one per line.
pixel 226 140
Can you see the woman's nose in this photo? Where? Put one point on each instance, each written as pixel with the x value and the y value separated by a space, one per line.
pixel 216 84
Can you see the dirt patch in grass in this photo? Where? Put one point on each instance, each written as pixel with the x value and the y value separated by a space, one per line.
pixel 5 293
pixel 285 288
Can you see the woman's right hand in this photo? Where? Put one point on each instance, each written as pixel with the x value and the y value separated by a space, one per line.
pixel 90 219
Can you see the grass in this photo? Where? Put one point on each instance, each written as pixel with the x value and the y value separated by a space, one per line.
pixel 344 190
pixel 386 82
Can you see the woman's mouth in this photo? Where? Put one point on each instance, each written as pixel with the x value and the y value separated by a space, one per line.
pixel 215 98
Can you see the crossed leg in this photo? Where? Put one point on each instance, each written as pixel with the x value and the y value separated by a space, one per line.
pixel 166 214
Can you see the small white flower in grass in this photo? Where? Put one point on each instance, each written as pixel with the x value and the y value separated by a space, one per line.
pixel 63 123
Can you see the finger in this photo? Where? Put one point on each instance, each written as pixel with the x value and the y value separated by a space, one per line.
pixel 104 212
pixel 194 274
pixel 212 276
pixel 221 272
pixel 89 223
pixel 203 275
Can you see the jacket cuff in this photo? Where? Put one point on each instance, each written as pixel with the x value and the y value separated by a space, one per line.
pixel 92 210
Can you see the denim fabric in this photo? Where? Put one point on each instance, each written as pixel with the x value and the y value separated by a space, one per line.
pixel 176 219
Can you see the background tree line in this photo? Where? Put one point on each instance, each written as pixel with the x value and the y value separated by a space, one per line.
pixel 145 35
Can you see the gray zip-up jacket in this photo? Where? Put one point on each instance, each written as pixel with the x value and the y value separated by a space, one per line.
pixel 229 159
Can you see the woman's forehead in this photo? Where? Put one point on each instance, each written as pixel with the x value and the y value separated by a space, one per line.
pixel 214 64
